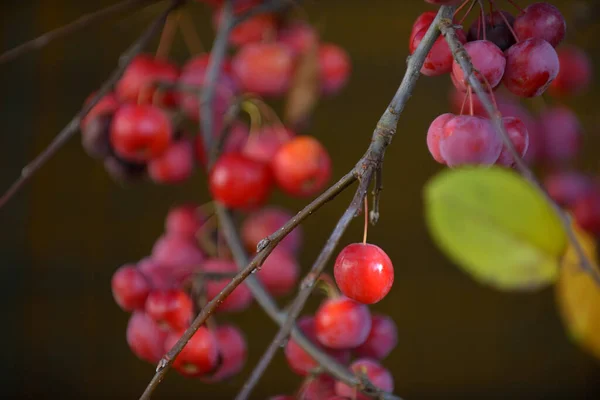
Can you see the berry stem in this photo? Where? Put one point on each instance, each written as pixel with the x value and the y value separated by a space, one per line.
pixel 168 34
pixel 470 94
pixel 190 34
pixel 473 2
pixel 366 229
pixel 508 24
pixel 464 3
pixel 512 2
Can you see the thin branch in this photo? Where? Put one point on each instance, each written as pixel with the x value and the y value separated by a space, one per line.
pixel 80 23
pixel 364 170
pixel 463 59
pixel 73 126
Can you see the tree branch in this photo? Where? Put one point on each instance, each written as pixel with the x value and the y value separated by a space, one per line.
pixel 73 126
pixel 80 23
pixel 463 59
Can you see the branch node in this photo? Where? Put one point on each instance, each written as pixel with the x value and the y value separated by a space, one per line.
pixel 263 244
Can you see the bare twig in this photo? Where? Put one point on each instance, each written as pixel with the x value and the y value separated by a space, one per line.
pixel 463 59
pixel 73 126
pixel 80 23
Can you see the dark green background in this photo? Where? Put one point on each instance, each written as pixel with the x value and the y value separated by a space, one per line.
pixel 61 239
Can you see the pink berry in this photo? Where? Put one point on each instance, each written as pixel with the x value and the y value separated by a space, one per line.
pixel 382 338
pixel 130 288
pixel 567 187
pixel 239 299
pixel 279 273
pixel 487 59
pixel 434 135
pixel 469 140
pixel 266 221
pixel 334 68
pixel 181 254
pixel 319 387
pixel 586 211
pixel 145 338
pixel 175 165
pixel 342 323
pixel 263 144
pixel 184 220
pixel 378 375
pixel 298 37
pixel 562 134
pixel 251 30
pixel 531 66
pixel 541 21
pixel 200 354
pixel 171 309
pixel 160 276
pixel 517 132
pixel 364 273
pixel 232 353
pixel 575 74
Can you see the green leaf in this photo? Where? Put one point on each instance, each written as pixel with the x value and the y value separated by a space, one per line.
pixel 496 227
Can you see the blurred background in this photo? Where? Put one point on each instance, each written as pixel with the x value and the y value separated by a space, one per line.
pixel 62 237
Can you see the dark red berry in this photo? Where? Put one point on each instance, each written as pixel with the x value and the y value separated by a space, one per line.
pixel 496 28
pixel 541 21
pixel 382 339
pixel 531 66
pixel 489 62
pixel 575 74
pixel 95 136
pixel 200 354
pixel 586 210
pixel 106 105
pixel 342 323
pixel 232 353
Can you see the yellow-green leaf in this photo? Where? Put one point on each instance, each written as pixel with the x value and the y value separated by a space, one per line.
pixel 495 226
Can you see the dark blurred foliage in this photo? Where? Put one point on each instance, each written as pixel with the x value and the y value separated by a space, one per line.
pixel 63 237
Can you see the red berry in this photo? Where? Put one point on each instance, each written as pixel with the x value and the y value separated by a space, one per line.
pixel 317 388
pixel 469 140
pixel 586 210
pixel 302 166
pixel 517 132
pixel 140 132
pixel 439 59
pixel 334 68
pixel 575 74
pixel 251 30
pixel 561 134
pixel 239 299
pixel 488 60
pixel 239 182
pixel 567 187
pixel 377 375
pixel 279 273
pixel 263 223
pixel 342 323
pixel 364 273
pixel 200 354
pixel 234 142
pixel 95 136
pixel 541 21
pixel 531 66
pixel 264 68
pixel 144 337
pixel 423 22
pixel 232 353
pixel 138 83
pixel 175 165
pixel 130 288
pixel 264 144
pixel 181 254
pixel 106 105
pixel 160 276
pixel 382 339
pixel 434 134
pixel 184 220
pixel 298 37
pixel 299 361
pixel 170 308
pixel 496 29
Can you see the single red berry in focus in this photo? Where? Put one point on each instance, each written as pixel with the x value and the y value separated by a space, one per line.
pixel 264 68
pixel 377 375
pixel 266 221
pixel 562 135
pixel 239 299
pixel 302 166
pixel 175 165
pixel 264 144
pixel 382 339
pixel 239 182
pixel 140 132
pixel 566 187
pixel 531 66
pixel 541 21
pixel 488 61
pixel 279 273
pixel 299 361
pixel 138 83
pixel 184 220
pixel 171 308
pixel 575 74
pixel 200 354
pixel 130 288
pixel 334 68
pixel 145 338
pixel 364 273
pixel 586 210
pixel 469 140
pixel 434 134
pixel 342 323
pixel 232 353
pixel 517 132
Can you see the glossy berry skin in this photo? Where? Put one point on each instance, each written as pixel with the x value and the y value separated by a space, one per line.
pixel 377 374
pixel 279 273
pixel 140 133
pixel 334 68
pixel 138 83
pixel 496 29
pixel 566 187
pixel 264 68
pixel 487 59
pixel 317 388
pixel 302 166
pixel 184 220
pixel 439 59
pixel 145 338
pixel 468 140
pixel 95 136
pixel 239 299
pixel 422 22
pixel 575 75
pixel 263 144
pixel 364 273
pixel 562 134
pixel 531 66
pixel 382 339
pixel 342 323
pixel 240 182
pixel 180 254
pixel 232 353
pixel 541 21
pixel 171 309
pixel 175 165
pixel 434 135
pixel 200 354
pixel 266 221
pixel 130 288
pixel 298 37
pixel 517 132
pixel 586 211
pixel 298 360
